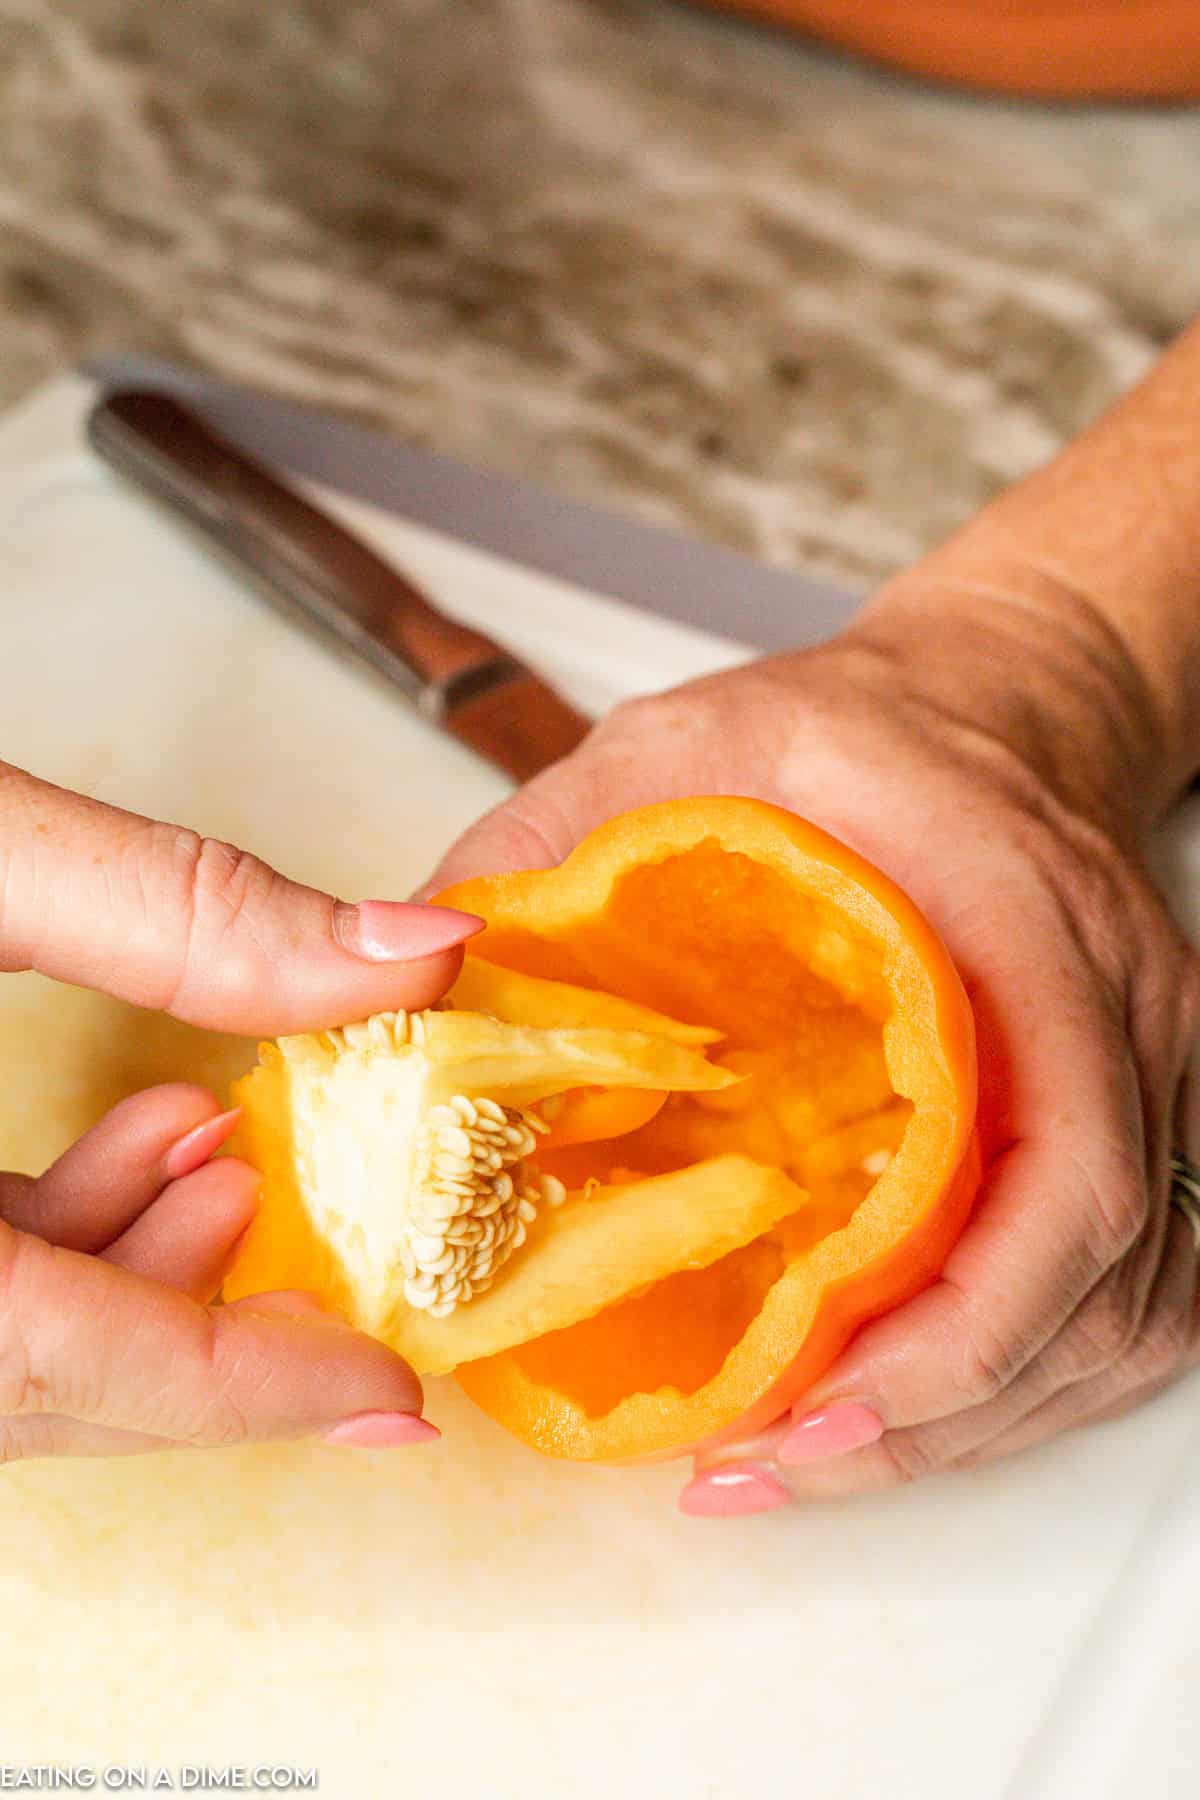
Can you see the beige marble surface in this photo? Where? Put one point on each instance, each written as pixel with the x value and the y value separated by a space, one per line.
pixel 641 255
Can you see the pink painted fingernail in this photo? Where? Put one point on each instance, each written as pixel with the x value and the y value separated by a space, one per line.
pixel 731 1491
pixel 397 931
pixel 834 1431
pixel 192 1151
pixel 382 1431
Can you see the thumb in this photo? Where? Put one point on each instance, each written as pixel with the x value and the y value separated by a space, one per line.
pixel 111 1348
pixel 158 916
pixel 534 829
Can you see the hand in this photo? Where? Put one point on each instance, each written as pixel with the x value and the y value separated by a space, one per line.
pixel 990 746
pixel 107 1260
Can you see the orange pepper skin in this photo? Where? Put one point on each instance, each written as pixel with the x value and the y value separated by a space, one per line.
pixel 738 915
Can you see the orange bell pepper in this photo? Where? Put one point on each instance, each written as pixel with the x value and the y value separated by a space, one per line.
pixel 842 1014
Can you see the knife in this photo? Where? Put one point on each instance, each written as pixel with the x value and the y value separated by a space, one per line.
pixel 316 571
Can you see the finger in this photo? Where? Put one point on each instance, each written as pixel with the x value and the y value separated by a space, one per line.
pixel 1091 1343
pixel 618 767
pixel 1166 1348
pixel 186 1238
pixel 1171 1322
pixel 1044 1401
pixel 1121 1320
pixel 100 1185
pixel 1185 1135
pixel 1113 1318
pixel 1190 1362
pixel 1064 1196
pixel 1046 1231
pixel 1077 1361
pixel 161 917
pixel 53 1434
pixel 919 1376
pixel 642 751
pixel 1063 1200
pixel 108 1347
pixel 534 829
pixel 1129 1402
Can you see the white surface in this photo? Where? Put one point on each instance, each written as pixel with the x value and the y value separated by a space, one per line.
pixel 473 1620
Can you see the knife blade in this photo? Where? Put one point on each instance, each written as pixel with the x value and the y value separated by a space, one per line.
pixel 319 573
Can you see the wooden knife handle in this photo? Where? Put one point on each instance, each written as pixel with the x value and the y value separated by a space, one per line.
pixel 318 569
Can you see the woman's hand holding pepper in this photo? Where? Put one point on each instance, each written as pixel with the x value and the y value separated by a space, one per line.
pixel 107 1261
pixel 999 730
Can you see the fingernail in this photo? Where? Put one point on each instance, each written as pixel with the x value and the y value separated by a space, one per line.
pixel 382 1431
pixel 732 1491
pixel 397 931
pixel 834 1431
pixel 192 1151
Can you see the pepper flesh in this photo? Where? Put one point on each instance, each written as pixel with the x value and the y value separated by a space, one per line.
pixel 400 1176
pixel 842 1010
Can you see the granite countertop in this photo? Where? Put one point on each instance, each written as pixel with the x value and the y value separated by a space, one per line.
pixel 637 253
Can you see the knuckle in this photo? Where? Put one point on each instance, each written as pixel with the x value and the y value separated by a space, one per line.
pixel 224 1422
pixel 1121 1222
pixel 535 828
pixel 220 885
pixel 639 713
pixel 1083 873
pixel 1172 1338
pixel 1161 1348
pixel 911 1455
pixel 528 831
pixel 1117 1207
pixel 991 1358
pixel 651 724
pixel 1105 1327
pixel 989 1365
pixel 226 1428
pixel 1164 1013
pixel 222 878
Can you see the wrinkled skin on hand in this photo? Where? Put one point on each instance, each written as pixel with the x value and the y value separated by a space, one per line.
pixel 989 751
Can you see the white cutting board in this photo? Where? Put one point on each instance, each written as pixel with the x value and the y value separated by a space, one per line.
pixel 472 1619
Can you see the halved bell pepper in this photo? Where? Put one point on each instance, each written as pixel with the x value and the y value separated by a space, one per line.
pixel 740 1097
